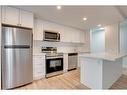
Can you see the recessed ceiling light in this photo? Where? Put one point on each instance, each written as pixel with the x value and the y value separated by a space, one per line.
pixel 59 7
pixel 84 18
pixel 99 25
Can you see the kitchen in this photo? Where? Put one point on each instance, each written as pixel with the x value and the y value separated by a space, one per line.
pixel 57 48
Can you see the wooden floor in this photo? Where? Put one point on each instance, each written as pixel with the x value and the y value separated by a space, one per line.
pixel 69 80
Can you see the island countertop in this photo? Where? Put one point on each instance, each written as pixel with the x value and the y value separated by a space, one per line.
pixel 104 56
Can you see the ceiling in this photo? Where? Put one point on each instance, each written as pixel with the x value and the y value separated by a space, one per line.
pixel 73 15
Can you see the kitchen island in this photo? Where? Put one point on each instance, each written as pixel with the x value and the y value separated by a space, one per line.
pixel 100 71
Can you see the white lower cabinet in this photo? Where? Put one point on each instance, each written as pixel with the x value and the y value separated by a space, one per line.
pixel 38 67
pixel 65 63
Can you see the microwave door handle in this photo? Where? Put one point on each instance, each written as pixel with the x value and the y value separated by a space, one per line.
pixel 43 35
pixel 58 36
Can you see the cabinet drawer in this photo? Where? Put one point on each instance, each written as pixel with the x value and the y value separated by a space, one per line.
pixel 37 70
pixel 38 58
pixel 37 62
pixel 39 66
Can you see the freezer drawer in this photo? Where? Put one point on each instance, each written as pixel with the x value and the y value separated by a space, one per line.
pixel 16 36
pixel 72 60
pixel 16 67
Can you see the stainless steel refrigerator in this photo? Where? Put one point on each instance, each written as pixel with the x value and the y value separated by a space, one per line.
pixel 17 68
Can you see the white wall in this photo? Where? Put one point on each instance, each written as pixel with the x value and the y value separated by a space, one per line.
pixel 116 40
pixel 112 39
pixel 123 37
pixel 97 41
pixel 123 41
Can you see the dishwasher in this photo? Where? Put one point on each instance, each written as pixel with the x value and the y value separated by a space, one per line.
pixel 72 61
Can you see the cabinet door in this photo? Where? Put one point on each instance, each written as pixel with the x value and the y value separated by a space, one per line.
pixel 10 15
pixel 82 37
pixel 74 37
pixel 87 37
pixel 26 19
pixel 65 62
pixel 38 30
pixel 64 36
pixel 77 37
pixel 38 67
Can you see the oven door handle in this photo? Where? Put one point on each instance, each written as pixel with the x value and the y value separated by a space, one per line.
pixel 54 57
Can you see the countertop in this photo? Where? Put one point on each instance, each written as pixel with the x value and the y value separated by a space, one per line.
pixel 75 52
pixel 104 56
pixel 39 54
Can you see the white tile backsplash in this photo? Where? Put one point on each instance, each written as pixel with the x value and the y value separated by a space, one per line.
pixel 61 47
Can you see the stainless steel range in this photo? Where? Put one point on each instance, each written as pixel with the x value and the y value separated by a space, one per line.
pixel 54 61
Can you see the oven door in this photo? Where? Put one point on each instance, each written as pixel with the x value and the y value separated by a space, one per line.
pixel 54 65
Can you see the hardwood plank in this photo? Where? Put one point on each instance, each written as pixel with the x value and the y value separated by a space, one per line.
pixel 69 80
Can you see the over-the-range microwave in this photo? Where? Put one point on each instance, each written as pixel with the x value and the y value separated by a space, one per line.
pixel 51 36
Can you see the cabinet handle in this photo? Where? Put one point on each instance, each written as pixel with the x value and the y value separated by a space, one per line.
pixel 19 24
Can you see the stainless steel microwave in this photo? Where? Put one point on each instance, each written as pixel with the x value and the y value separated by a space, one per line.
pixel 51 36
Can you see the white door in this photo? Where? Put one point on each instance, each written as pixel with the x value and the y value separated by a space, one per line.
pixel 10 15
pixel 98 41
pixel 26 19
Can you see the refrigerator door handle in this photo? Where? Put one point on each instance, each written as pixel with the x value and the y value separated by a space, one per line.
pixel 16 46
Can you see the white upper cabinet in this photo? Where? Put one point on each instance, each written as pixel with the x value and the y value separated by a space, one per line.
pixel 10 15
pixel 73 37
pixel 83 36
pixel 67 34
pixel 38 30
pixel 17 17
pixel 70 35
pixel 77 37
pixel 86 38
pixel 64 36
pixel 26 19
